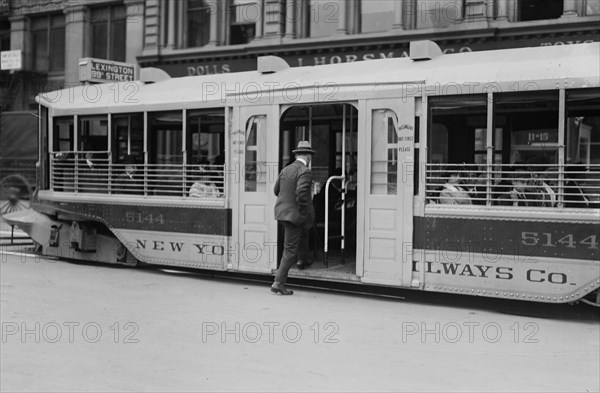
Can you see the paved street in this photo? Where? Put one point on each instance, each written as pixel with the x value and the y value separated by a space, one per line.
pixel 78 327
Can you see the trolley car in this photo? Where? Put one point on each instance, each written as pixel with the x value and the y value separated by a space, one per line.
pixel 472 173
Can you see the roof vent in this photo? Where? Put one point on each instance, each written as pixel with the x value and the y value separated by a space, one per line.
pixel 424 50
pixel 270 64
pixel 153 74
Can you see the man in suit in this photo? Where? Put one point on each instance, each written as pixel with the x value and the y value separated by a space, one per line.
pixel 293 210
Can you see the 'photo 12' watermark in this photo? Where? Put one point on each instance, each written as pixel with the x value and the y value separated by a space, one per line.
pixel 70 332
pixel 270 332
pixel 469 332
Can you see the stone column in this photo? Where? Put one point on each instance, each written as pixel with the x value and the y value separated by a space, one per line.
pixel 398 17
pixel 290 18
pixel 76 17
pixel 152 26
pixel 134 30
pixel 502 10
pixel 171 25
pixel 342 28
pixel 262 15
pixel 213 40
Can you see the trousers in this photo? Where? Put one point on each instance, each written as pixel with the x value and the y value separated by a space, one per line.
pixel 295 237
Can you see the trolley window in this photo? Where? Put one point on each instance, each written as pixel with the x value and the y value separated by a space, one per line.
pixel 63 134
pixel 255 162
pixel 384 152
pixel 128 136
pixel 529 122
pixel 93 133
pixel 205 153
pixel 581 187
pixel 165 133
pixel 205 136
pixel 458 147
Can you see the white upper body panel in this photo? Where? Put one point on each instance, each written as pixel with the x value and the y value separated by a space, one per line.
pixel 537 68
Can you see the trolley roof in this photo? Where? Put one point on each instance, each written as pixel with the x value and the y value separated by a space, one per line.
pixel 568 66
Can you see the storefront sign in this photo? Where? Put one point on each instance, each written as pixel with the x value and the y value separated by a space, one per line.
pixel 98 70
pixel 11 60
pixel 209 66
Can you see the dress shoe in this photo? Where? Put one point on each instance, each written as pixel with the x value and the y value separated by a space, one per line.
pixel 280 289
pixel 303 264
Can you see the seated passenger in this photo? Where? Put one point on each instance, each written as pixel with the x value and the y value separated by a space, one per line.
pixel 204 186
pixel 475 185
pixel 574 194
pixel 519 194
pixel 453 192
pixel 540 193
pixel 129 181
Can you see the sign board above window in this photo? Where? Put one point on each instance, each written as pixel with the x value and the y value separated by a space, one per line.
pixel 11 60
pixel 98 70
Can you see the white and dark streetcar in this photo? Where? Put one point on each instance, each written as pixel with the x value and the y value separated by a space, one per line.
pixel 473 173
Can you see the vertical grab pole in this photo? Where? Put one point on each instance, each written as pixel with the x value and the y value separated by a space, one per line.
pixel 326 234
pixel 343 229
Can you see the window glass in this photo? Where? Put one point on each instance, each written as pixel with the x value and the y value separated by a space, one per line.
pixel 62 171
pixel 63 134
pixel 198 18
pixel 592 7
pixel 529 122
pixel 244 15
pixel 40 50
pixel 165 171
pixel 458 145
pixel 128 136
pixel 582 149
pixel 255 163
pixel 117 39
pixel 582 138
pixel 540 9
pixel 165 130
pixel 57 43
pixel 206 136
pixel 440 13
pixel 93 133
pixel 99 34
pixel 4 35
pixel 376 15
pixel 109 32
pixel 384 152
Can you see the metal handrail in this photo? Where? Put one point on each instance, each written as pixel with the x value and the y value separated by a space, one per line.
pixel 343 197
pixel 100 175
pixel 538 185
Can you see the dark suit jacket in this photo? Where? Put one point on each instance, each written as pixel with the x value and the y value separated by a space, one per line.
pixel 294 202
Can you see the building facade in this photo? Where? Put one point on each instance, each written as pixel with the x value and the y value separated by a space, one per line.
pixel 195 37
pixel 198 37
pixel 53 35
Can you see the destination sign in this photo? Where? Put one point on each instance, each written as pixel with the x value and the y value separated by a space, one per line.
pixel 98 70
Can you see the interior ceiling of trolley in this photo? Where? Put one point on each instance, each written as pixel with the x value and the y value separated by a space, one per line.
pixel 580 62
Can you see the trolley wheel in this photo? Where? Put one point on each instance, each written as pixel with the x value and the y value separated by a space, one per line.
pixel 15 193
pixel 593 299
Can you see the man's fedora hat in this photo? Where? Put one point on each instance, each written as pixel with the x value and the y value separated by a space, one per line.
pixel 304 148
